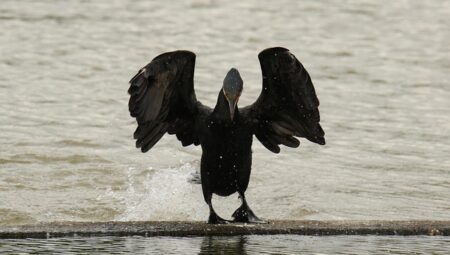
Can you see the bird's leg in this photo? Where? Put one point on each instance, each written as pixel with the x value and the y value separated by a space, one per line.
pixel 213 217
pixel 244 213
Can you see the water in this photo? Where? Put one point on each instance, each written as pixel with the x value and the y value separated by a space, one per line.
pixel 231 245
pixel 381 72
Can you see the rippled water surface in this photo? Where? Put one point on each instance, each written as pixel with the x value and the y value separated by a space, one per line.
pixel 381 71
pixel 231 245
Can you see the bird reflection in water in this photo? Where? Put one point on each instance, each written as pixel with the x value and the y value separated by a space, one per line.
pixel 223 245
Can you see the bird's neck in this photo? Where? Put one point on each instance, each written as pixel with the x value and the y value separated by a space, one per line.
pixel 222 110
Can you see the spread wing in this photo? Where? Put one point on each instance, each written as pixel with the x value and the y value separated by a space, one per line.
pixel 162 99
pixel 287 106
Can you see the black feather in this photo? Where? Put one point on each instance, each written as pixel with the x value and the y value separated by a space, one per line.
pixel 288 104
pixel 162 93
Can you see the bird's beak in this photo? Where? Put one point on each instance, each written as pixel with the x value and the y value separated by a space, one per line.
pixel 232 104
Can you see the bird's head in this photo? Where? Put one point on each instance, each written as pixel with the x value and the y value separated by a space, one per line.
pixel 232 89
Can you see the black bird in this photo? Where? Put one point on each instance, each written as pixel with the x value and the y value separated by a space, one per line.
pixel 162 99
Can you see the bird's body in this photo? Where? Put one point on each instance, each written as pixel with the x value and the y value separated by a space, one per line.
pixel 227 154
pixel 163 100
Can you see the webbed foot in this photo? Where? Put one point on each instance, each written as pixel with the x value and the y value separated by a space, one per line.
pixel 245 215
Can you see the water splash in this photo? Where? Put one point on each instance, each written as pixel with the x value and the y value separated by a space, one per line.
pixel 165 194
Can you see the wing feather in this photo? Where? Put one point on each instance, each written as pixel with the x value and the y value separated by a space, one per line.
pixel 288 104
pixel 162 99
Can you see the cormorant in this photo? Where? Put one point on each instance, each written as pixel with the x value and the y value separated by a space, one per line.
pixel 162 99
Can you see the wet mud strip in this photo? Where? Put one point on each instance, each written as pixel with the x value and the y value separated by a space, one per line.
pixel 196 228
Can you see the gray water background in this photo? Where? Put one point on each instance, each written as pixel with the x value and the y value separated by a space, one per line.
pixel 381 71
